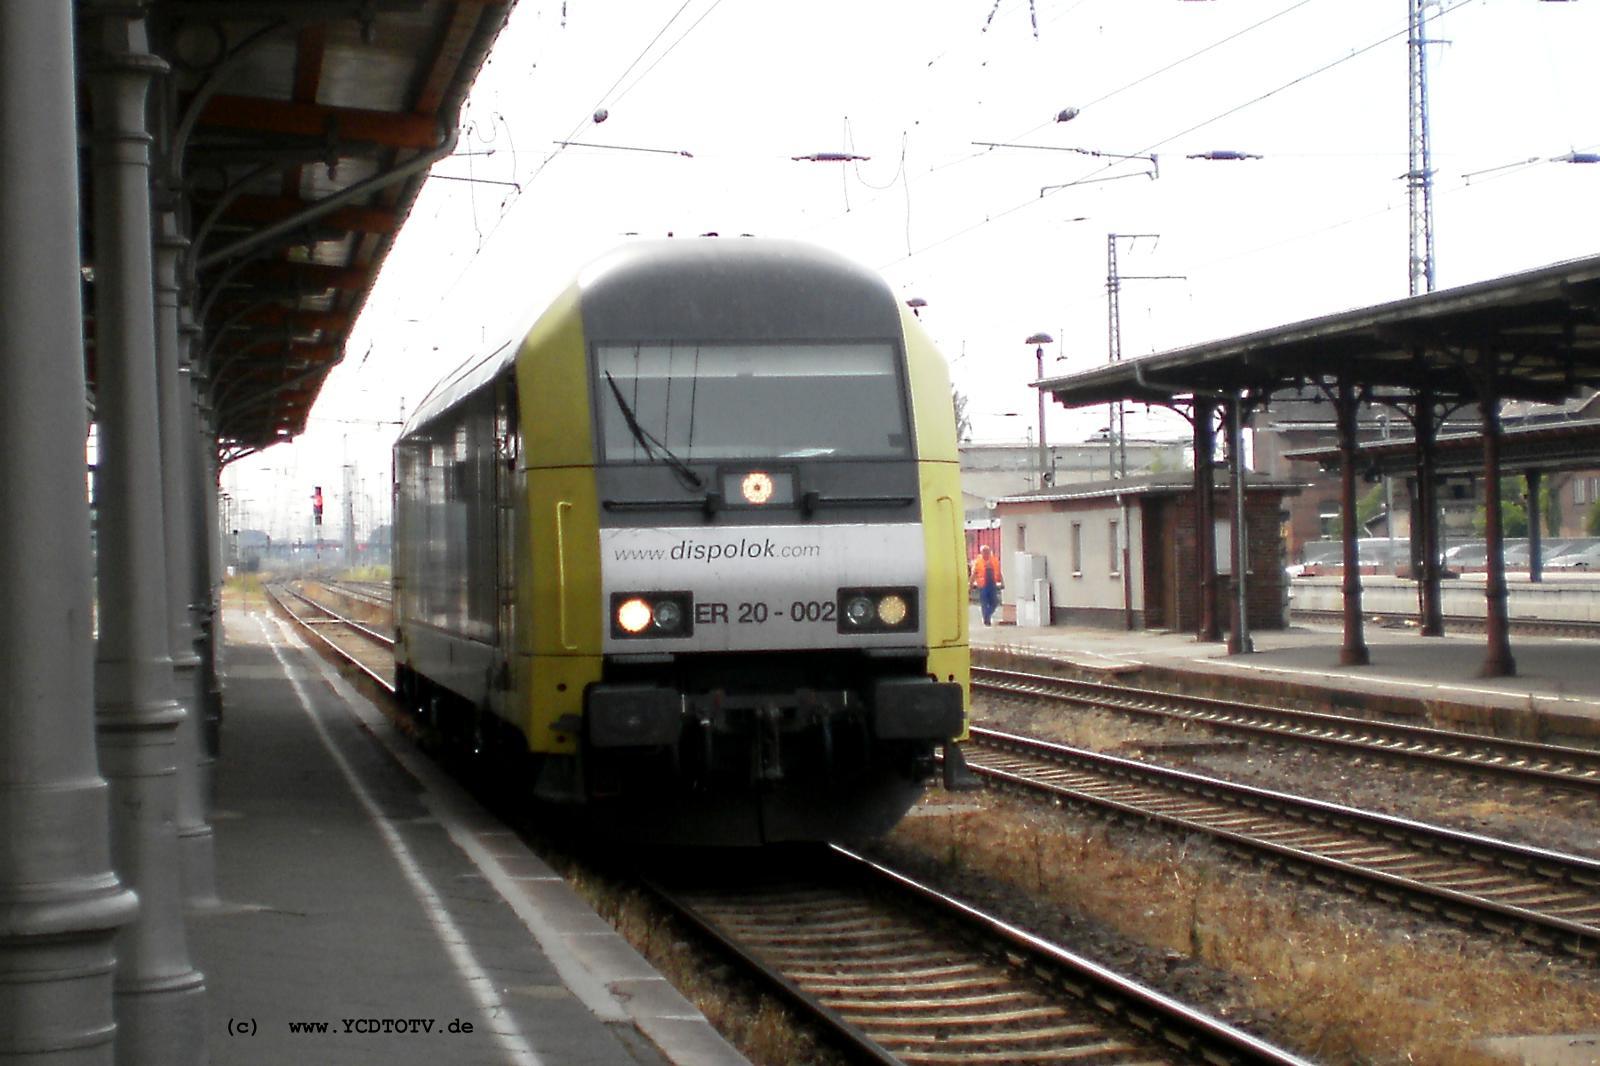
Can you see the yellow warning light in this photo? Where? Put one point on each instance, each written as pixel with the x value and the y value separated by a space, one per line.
pixel 756 487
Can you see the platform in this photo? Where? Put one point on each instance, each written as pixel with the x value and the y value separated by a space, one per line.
pixel 1555 695
pixel 373 913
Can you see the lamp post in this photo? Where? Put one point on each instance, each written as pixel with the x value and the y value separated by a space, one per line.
pixel 1039 340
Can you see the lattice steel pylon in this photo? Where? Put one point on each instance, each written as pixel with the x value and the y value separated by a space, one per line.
pixel 1114 279
pixel 1419 178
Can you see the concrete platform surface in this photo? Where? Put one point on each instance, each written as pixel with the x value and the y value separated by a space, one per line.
pixel 373 913
pixel 1555 693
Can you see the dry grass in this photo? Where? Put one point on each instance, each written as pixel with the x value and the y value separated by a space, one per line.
pixel 244 592
pixel 1342 992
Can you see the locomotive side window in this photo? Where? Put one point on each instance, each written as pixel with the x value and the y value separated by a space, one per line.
pixel 721 401
pixel 446 504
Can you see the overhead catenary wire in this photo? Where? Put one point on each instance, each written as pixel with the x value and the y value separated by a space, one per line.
pixel 1141 79
pixel 605 95
pixel 514 198
pixel 1150 148
pixel 665 53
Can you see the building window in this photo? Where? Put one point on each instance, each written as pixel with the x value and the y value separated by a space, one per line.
pixel 1580 490
pixel 1077 549
pixel 1022 537
pixel 1112 528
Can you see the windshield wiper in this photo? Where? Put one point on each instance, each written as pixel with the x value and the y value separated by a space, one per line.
pixel 651 444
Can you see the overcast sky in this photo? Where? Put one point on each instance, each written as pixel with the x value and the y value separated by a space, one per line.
pixel 1317 88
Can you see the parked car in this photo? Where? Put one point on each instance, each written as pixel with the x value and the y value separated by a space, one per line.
pixel 1315 557
pixel 1520 555
pixel 1467 554
pixel 1585 558
pixel 1373 553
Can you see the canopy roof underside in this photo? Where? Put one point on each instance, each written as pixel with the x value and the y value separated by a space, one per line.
pixel 1533 336
pixel 290 139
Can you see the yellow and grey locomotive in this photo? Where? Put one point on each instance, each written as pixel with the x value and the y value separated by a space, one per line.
pixel 692 549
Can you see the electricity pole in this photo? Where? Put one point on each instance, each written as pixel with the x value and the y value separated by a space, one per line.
pixel 1114 280
pixel 1419 178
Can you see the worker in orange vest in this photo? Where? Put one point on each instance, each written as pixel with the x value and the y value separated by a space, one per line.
pixel 987 580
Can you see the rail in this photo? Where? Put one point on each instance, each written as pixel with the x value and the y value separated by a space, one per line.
pixel 1546 897
pixel 905 974
pixel 1528 761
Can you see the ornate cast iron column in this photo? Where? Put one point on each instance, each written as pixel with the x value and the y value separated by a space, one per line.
pixel 195 843
pixel 160 1002
pixel 60 903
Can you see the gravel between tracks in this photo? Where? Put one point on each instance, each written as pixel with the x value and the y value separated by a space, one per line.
pixel 1339 978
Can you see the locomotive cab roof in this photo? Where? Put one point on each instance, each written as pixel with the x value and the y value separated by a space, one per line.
pixel 700 289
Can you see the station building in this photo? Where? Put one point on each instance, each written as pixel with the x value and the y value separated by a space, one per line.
pixel 1119 554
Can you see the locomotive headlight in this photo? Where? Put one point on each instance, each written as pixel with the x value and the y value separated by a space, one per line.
pixel 858 611
pixel 634 615
pixel 877 610
pixel 892 610
pixel 646 615
pixel 669 616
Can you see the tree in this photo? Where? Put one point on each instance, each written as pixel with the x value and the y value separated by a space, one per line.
pixel 1550 507
pixel 1368 504
pixel 1591 521
pixel 963 420
pixel 1513 515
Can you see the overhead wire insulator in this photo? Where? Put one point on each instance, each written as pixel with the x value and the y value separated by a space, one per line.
pixel 830 157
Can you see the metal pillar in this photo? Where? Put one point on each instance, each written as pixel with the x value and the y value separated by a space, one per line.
pixel 1239 642
pixel 1535 535
pixel 1205 449
pixel 60 902
pixel 214 574
pixel 1354 652
pixel 1425 507
pixel 1497 660
pixel 202 610
pixel 160 1002
pixel 195 843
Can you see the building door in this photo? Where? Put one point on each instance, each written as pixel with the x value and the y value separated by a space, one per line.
pixel 1155 551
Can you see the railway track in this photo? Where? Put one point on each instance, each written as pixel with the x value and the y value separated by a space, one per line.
pixel 373 593
pixel 1524 761
pixel 1545 897
pixel 906 975
pixel 945 984
pixel 365 648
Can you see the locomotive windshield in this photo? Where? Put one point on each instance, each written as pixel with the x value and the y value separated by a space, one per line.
pixel 725 401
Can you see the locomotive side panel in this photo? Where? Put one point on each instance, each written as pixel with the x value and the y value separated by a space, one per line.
pixel 558 637
pixel 942 526
pixel 445 577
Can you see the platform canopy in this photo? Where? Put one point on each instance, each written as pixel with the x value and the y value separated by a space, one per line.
pixel 291 138
pixel 1537 333
pixel 1562 445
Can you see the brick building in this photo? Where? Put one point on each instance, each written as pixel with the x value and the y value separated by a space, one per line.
pixel 1122 554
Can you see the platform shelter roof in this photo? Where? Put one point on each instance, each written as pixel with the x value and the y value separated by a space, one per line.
pixel 290 140
pixel 1565 445
pixel 1537 333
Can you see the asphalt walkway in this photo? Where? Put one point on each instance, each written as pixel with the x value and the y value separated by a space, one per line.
pixel 373 913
